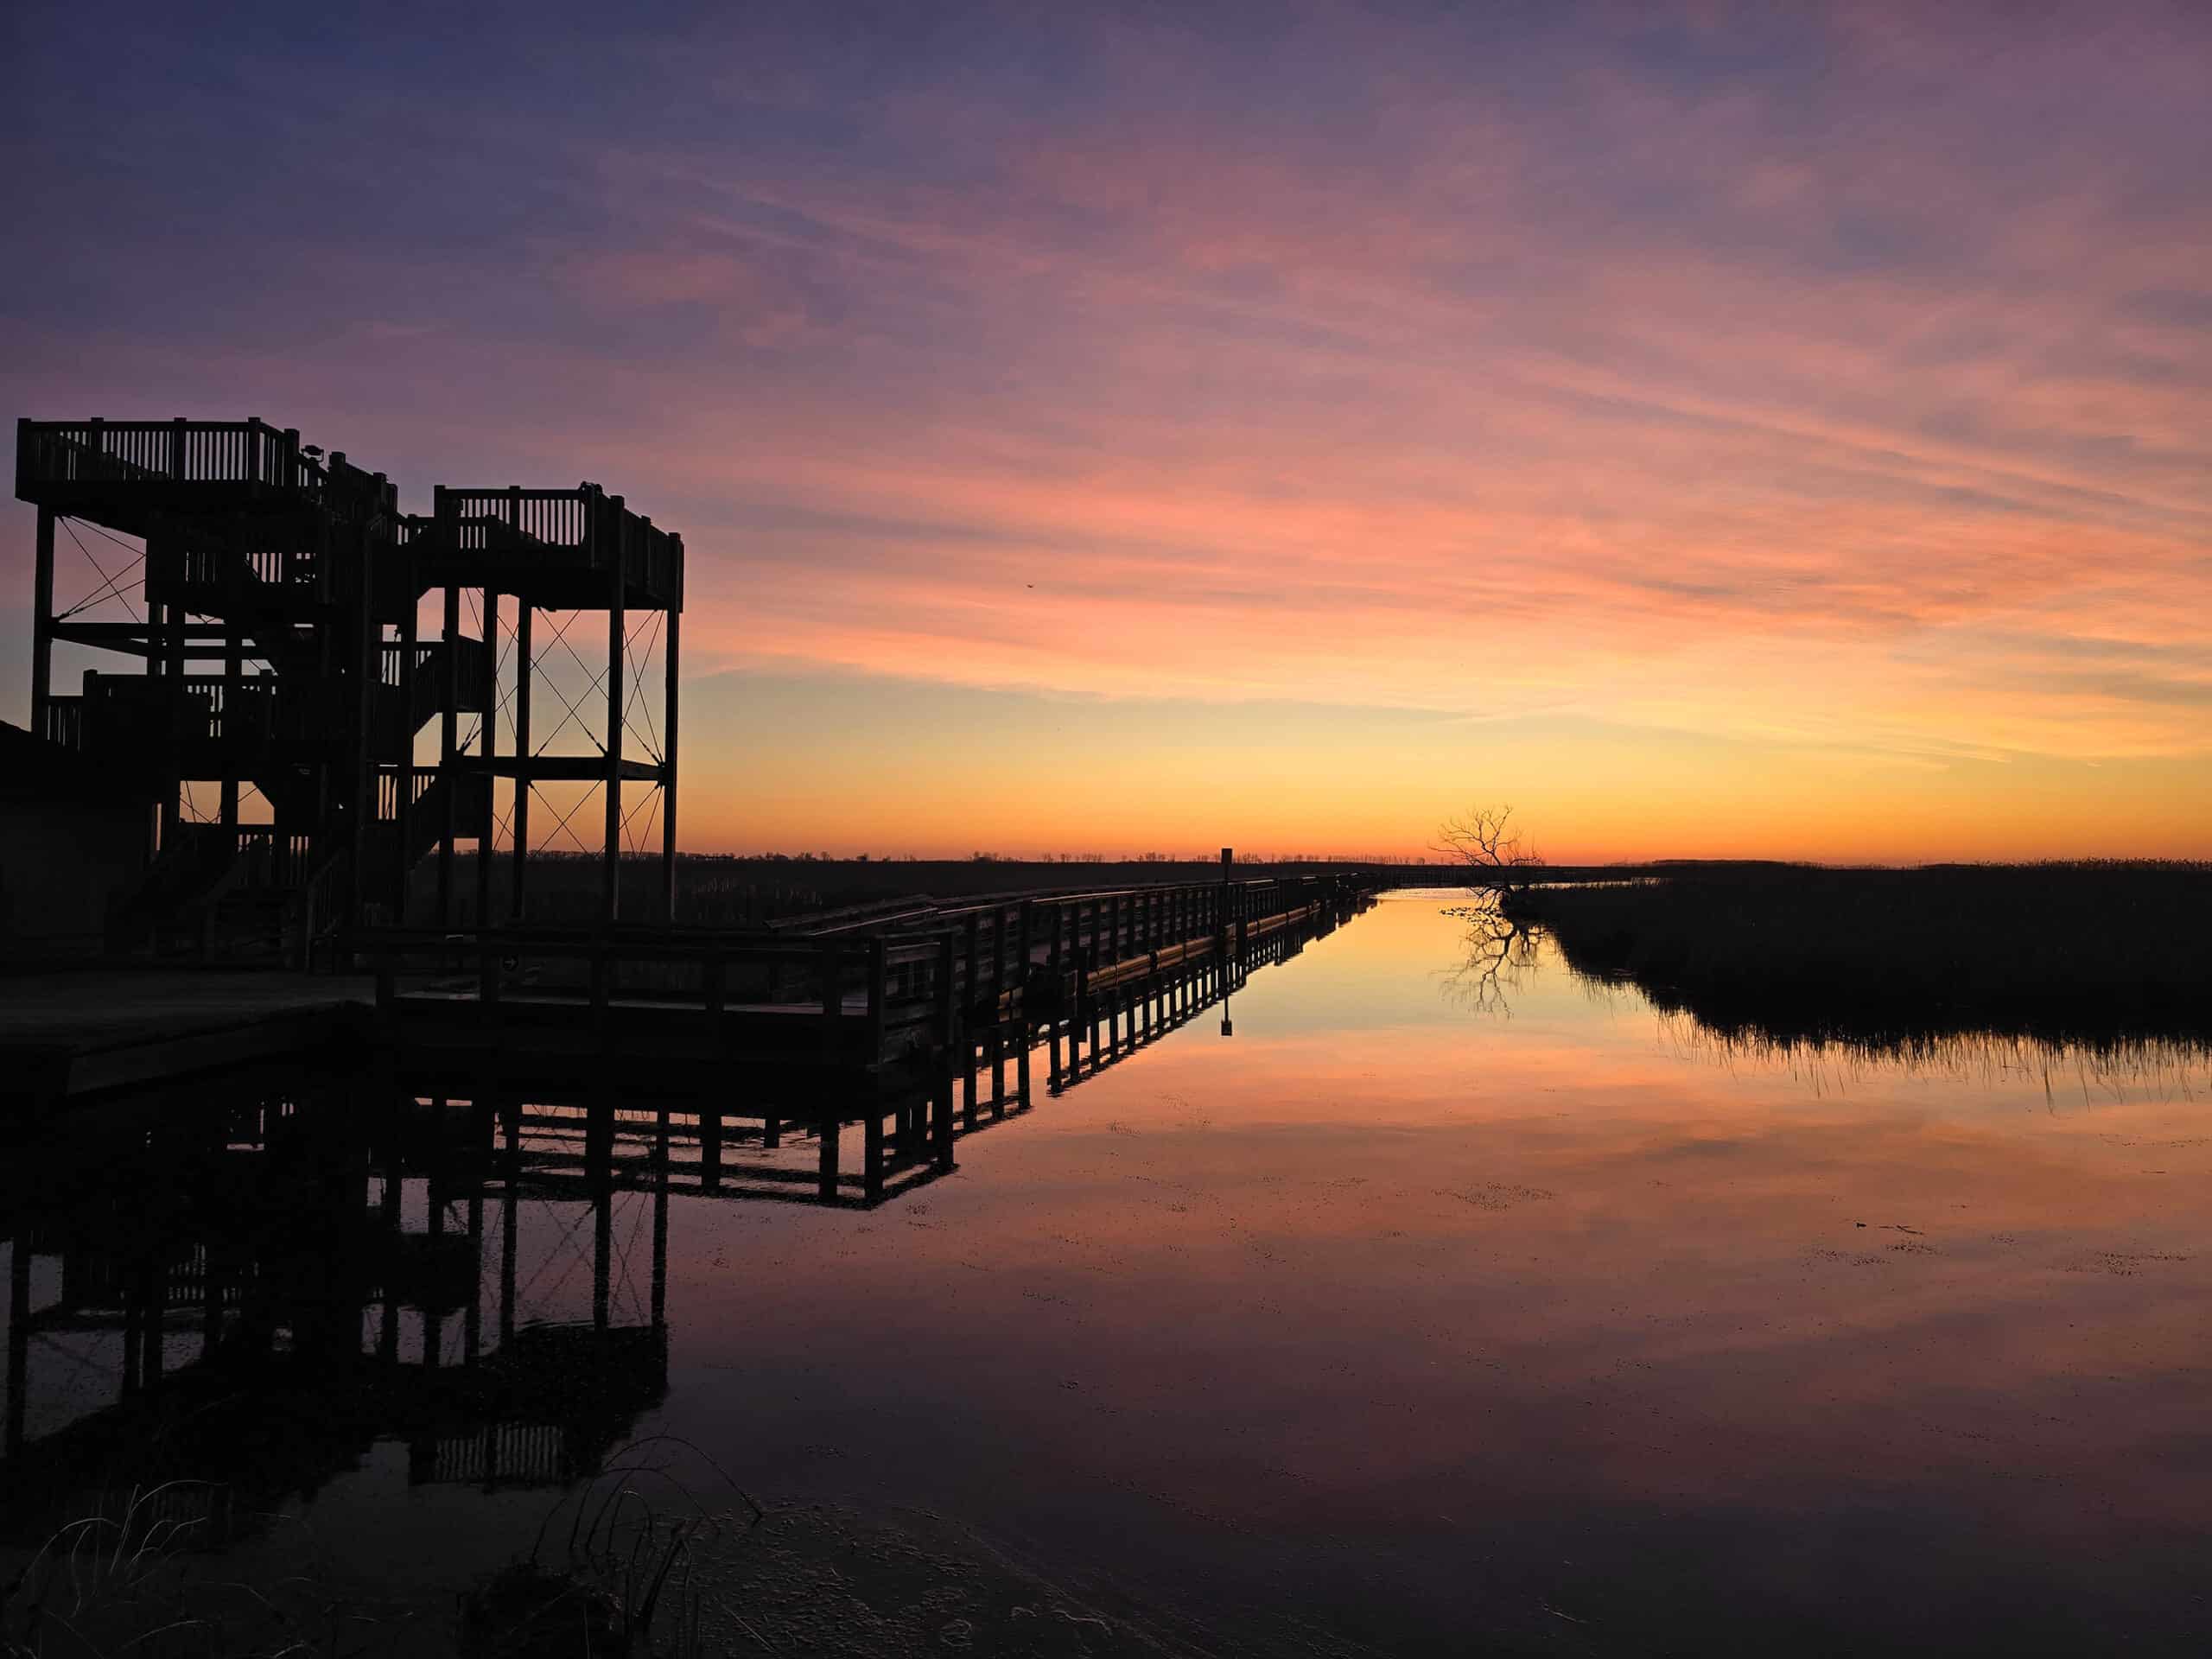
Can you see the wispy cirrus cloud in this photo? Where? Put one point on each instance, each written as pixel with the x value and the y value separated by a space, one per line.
pixel 1826 377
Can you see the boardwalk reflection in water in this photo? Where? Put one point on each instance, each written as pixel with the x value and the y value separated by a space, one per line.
pixel 248 1281
pixel 277 1274
pixel 1402 1320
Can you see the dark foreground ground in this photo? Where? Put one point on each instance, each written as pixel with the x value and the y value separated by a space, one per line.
pixel 812 1579
pixel 2094 952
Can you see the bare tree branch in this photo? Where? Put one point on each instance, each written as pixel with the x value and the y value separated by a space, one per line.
pixel 1483 840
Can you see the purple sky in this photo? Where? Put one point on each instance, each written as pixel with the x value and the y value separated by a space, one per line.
pixel 1762 428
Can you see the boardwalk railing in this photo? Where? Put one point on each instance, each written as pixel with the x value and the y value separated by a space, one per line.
pixel 965 974
pixel 849 1002
pixel 710 1131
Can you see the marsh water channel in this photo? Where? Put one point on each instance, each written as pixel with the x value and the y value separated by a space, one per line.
pixel 1422 1302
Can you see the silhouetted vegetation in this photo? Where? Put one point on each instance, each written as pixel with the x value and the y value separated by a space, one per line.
pixel 2088 952
pixel 1494 854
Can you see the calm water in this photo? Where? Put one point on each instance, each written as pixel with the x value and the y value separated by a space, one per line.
pixel 1430 1314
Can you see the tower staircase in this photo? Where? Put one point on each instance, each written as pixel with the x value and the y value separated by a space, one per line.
pixel 279 657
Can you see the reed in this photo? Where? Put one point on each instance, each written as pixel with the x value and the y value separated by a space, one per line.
pixel 2094 952
pixel 608 1575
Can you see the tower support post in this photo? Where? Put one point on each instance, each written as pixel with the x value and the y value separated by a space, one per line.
pixel 42 622
pixel 520 829
pixel 489 752
pixel 668 771
pixel 617 636
pixel 448 745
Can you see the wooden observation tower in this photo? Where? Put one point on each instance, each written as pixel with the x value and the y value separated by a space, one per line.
pixel 283 656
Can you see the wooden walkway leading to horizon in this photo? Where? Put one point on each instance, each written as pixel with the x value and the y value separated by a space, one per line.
pixel 908 1024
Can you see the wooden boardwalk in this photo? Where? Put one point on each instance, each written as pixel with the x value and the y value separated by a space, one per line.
pixel 736 1135
pixel 912 1034
pixel 87 1032
pixel 908 1031
pixel 342 1116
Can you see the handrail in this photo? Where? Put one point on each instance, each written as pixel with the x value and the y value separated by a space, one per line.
pixel 585 519
pixel 248 452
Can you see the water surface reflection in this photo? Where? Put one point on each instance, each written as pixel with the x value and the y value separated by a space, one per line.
pixel 1397 1320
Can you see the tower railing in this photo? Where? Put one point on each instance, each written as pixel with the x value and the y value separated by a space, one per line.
pixel 236 453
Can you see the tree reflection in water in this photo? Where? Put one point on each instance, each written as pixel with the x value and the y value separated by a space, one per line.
pixel 1498 953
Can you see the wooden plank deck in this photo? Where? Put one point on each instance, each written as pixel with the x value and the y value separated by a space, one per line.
pixel 71 1033
pixel 923 1021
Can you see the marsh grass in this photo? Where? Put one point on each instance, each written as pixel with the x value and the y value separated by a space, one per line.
pixel 2065 1073
pixel 2087 954
pixel 608 1573
pixel 105 1585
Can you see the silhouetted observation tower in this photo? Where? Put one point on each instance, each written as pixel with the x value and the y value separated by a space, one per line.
pixel 300 674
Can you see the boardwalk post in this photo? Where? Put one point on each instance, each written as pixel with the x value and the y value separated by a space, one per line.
pixel 948 1017
pixel 1021 1053
pixel 1093 962
pixel 388 1217
pixel 1226 920
pixel 660 1222
pixel 872 1153
pixel 1079 998
pixel 1026 931
pixel 969 1000
pixel 994 1021
pixel 472 1330
pixel 509 1178
pixel 879 998
pixel 710 1112
pixel 1059 983
pixel 833 996
pixel 600 1172
pixel 825 1185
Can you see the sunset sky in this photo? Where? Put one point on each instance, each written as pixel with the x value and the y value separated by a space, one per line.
pixel 1770 429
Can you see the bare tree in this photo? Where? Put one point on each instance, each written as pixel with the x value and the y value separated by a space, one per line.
pixel 1483 839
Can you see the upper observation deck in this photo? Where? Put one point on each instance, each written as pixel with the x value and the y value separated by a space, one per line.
pixel 126 475
pixel 559 549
